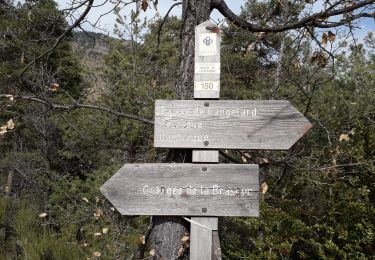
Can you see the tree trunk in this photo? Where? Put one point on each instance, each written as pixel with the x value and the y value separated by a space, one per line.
pixel 194 12
pixel 166 234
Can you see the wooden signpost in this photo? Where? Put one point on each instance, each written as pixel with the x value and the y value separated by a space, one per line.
pixel 207 62
pixel 185 189
pixel 205 190
pixel 228 124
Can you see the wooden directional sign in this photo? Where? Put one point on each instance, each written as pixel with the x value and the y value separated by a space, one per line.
pixel 185 189
pixel 228 124
pixel 207 61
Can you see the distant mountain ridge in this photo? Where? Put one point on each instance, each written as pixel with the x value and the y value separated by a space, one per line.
pixel 91 43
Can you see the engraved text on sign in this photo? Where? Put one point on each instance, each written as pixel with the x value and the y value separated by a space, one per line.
pixel 268 124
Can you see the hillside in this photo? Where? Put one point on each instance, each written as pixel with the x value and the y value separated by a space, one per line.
pixel 91 47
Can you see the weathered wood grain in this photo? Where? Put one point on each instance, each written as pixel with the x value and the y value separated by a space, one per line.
pixel 210 156
pixel 228 124
pixel 206 85
pixel 125 190
pixel 216 248
pixel 201 238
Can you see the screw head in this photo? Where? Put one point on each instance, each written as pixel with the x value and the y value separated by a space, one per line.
pixel 204 168
pixel 204 210
pixel 205 143
pixel 206 104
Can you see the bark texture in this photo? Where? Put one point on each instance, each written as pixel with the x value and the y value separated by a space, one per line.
pixel 166 233
pixel 194 12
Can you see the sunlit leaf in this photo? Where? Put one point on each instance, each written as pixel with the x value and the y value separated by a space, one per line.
pixel 10 124
pixel 54 87
pixel 185 238
pixel 43 215
pixel 344 138
pixel 264 188
pixel 3 130
pixel 97 254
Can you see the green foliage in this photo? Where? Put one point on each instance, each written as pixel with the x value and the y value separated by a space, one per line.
pixel 320 201
pixel 28 30
pixel 26 234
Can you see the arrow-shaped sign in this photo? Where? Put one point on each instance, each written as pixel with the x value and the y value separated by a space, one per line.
pixel 185 189
pixel 228 124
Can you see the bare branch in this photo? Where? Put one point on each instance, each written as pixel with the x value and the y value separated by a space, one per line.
pixel 312 20
pixel 162 23
pixel 84 106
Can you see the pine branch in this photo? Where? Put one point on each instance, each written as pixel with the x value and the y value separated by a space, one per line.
pixel 312 20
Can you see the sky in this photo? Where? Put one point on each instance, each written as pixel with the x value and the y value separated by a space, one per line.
pixel 106 23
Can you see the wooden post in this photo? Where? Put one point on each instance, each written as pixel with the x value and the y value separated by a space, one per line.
pixel 201 234
pixel 206 86
pixel 216 249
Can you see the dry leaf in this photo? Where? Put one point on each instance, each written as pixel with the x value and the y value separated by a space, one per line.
pixel 105 230
pixel 263 161
pixel 97 234
pixel 320 59
pixel 10 124
pixel 185 244
pixel 143 240
pixel 85 199
pixel 97 254
pixel 97 199
pixel 54 87
pixel 3 130
pixel 324 40
pixel 43 215
pixel 296 65
pixel 185 238
pixel 11 97
pixel 181 252
pixel 264 188
pixel 344 138
pixel 98 212
pixel 331 36
pixel 144 5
